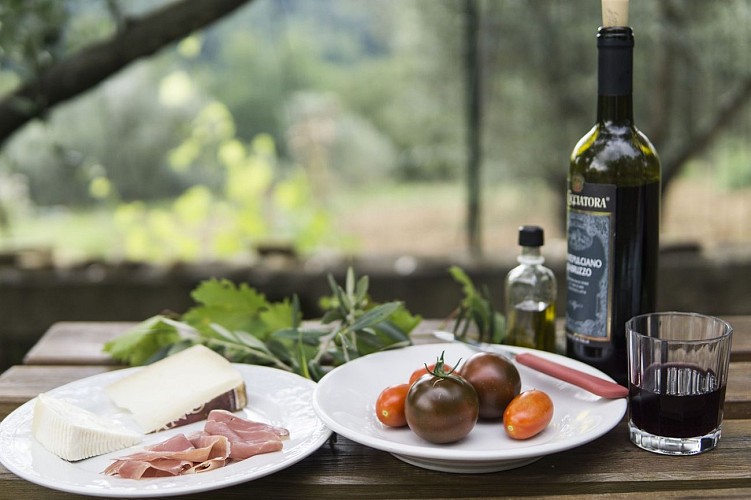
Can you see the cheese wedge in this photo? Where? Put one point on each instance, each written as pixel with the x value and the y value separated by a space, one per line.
pixel 180 389
pixel 73 433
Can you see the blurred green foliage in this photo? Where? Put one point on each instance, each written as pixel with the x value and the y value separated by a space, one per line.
pixel 256 200
pixel 239 133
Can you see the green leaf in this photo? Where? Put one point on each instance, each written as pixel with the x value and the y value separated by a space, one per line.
pixel 240 324
pixel 138 345
pixel 280 315
pixel 404 320
pixel 308 336
pixel 327 303
pixel 238 352
pixel 375 315
pixel 249 340
pixel 316 370
pixel 303 361
pixel 361 290
pixel 227 294
pixel 223 302
pixel 331 316
pixel 390 333
pixel 350 282
pixel 468 287
pixel 476 309
pixel 343 300
pixel 368 341
pixel 169 350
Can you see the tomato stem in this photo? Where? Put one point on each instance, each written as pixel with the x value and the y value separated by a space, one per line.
pixel 439 370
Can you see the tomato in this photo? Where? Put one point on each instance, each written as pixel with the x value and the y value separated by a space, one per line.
pixel 390 405
pixel 442 408
pixel 496 381
pixel 423 371
pixel 528 414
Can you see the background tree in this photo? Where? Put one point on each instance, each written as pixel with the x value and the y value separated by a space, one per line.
pixel 541 93
pixel 52 78
pixel 361 92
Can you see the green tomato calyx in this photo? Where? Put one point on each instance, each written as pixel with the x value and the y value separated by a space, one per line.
pixel 439 371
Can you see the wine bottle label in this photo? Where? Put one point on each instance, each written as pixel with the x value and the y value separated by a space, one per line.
pixel 591 216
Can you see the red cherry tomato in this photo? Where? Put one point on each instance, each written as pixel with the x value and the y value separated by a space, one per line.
pixel 528 414
pixel 390 405
pixel 424 371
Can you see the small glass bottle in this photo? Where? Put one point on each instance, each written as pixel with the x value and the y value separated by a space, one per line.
pixel 530 296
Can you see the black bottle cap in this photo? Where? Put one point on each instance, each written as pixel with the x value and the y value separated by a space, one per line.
pixel 531 236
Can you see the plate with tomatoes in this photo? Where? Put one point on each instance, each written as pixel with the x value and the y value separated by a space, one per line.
pixel 482 414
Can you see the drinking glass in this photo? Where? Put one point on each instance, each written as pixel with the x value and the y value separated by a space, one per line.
pixel 677 373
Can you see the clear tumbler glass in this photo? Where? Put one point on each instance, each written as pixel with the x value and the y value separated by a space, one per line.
pixel 678 371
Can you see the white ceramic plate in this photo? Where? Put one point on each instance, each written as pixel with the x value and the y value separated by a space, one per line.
pixel 345 401
pixel 274 396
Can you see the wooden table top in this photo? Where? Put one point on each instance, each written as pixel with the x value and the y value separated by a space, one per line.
pixel 610 465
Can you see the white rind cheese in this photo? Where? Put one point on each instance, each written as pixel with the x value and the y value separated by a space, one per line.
pixel 73 433
pixel 167 390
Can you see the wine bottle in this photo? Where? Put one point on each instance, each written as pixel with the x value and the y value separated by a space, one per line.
pixel 613 212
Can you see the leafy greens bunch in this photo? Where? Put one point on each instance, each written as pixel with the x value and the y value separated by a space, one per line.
pixel 476 316
pixel 239 323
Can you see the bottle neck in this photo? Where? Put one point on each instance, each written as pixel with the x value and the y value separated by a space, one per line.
pixel 531 256
pixel 615 109
pixel 615 49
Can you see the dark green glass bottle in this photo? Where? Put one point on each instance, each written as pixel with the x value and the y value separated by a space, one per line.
pixel 613 214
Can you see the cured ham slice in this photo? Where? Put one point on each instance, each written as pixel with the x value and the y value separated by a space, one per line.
pixel 246 437
pixel 177 455
pixel 139 469
pixel 240 425
pixel 251 443
pixel 225 437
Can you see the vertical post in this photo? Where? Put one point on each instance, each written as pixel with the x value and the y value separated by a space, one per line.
pixel 474 121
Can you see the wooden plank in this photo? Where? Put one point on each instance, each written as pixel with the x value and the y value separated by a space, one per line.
pixel 76 343
pixel 609 465
pixel 738 392
pixel 80 343
pixel 741 337
pixel 21 383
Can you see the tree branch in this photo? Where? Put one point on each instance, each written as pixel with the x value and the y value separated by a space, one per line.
pixel 84 70
pixel 697 143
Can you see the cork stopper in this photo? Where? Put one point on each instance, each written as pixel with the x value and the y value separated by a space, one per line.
pixel 614 13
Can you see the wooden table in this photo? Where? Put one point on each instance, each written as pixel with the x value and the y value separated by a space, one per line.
pixel 610 465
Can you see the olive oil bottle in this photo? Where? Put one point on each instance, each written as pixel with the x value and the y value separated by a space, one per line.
pixel 613 211
pixel 530 291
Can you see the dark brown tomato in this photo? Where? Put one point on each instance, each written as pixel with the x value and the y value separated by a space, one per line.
pixel 441 409
pixel 496 381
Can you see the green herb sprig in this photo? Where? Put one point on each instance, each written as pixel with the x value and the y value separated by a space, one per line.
pixel 476 314
pixel 243 326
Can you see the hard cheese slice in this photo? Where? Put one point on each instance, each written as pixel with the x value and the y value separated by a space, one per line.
pixel 180 389
pixel 73 433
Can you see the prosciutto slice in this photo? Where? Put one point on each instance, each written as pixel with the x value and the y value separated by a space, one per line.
pixel 241 425
pixel 225 437
pixel 177 455
pixel 138 469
